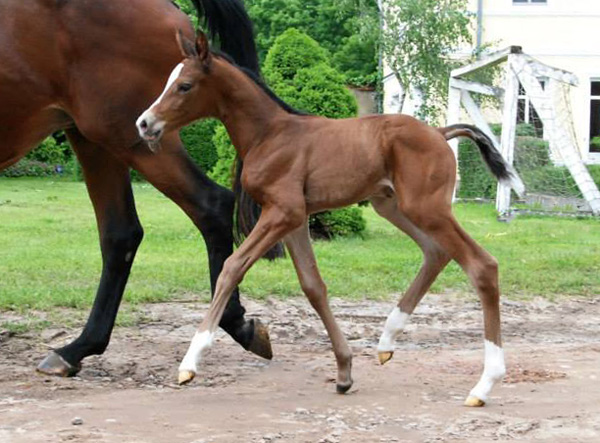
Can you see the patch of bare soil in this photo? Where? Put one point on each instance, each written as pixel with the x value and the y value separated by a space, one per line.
pixel 551 393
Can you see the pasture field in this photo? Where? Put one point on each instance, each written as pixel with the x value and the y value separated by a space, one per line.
pixel 49 269
pixel 49 253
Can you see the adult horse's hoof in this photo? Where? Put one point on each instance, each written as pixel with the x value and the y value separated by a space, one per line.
pixel 342 388
pixel 185 377
pixel 384 357
pixel 54 364
pixel 261 343
pixel 474 402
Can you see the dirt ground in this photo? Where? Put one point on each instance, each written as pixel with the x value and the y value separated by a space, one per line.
pixel 551 393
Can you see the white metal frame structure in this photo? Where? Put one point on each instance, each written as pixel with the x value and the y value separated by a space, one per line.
pixel 552 104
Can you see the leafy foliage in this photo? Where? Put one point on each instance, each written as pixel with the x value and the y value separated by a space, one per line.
pixel 292 51
pixel 337 25
pixel 532 161
pixel 198 140
pixel 347 29
pixel 342 222
pixel 47 159
pixel 222 171
pixel 52 152
pixel 418 37
pixel 298 71
pixel 29 168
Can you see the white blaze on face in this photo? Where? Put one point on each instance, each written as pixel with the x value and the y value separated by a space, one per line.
pixel 394 325
pixel 148 116
pixel 200 343
pixel 493 371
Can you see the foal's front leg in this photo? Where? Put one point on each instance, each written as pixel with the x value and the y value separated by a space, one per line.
pixel 273 224
pixel 298 244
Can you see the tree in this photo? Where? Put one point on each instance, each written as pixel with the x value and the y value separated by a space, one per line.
pixel 298 70
pixel 418 38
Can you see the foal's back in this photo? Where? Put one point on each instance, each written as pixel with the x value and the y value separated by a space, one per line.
pixel 349 160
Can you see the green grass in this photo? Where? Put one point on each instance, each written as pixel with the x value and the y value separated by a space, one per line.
pixel 49 254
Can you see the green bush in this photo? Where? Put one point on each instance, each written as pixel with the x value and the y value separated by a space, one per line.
pixel 223 170
pixel 51 152
pixel 198 140
pixel 476 181
pixel 320 90
pixel 29 168
pixel 357 59
pixel 291 52
pixel 595 173
pixel 342 222
pixel 532 160
pixel 49 158
pixel 298 70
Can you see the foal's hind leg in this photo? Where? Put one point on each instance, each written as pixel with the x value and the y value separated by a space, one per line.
pixel 435 219
pixel 298 243
pixel 435 260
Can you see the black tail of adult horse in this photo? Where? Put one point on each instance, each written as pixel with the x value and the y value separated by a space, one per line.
pixel 228 24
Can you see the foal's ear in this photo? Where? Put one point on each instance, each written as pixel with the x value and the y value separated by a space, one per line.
pixel 203 48
pixel 186 46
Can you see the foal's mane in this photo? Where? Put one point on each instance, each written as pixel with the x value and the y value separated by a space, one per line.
pixel 252 75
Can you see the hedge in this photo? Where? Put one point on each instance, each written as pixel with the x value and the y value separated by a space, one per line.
pixel 532 160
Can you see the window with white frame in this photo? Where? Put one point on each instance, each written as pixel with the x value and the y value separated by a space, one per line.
pixel 526 113
pixel 595 115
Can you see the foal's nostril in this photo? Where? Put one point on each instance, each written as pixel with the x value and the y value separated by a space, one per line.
pixel 144 125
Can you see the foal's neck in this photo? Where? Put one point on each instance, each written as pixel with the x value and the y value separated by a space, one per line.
pixel 245 109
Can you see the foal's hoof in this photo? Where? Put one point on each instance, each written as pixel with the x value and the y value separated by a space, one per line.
pixel 384 357
pixel 342 388
pixel 185 377
pixel 54 364
pixel 261 343
pixel 474 402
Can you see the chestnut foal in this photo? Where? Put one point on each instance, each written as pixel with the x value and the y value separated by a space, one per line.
pixel 296 165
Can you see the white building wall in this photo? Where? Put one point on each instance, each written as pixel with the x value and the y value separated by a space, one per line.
pixel 560 33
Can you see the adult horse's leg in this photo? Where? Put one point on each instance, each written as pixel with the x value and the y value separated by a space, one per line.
pixel 210 207
pixel 273 225
pixel 435 260
pixel 298 244
pixel 109 188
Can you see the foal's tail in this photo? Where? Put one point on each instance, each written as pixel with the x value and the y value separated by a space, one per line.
pixel 493 159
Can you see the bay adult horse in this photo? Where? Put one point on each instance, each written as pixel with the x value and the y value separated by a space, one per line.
pixel 296 165
pixel 90 67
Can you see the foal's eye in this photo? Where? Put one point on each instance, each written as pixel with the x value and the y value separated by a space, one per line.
pixel 184 87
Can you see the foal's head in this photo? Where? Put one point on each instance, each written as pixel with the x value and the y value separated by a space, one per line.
pixel 188 95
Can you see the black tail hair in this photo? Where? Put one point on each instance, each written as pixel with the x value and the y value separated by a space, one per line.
pixel 491 156
pixel 230 26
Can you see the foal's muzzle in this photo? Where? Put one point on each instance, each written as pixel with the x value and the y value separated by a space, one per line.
pixel 149 127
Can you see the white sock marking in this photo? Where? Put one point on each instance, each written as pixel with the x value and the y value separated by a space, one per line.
pixel 394 325
pixel 200 343
pixel 493 371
